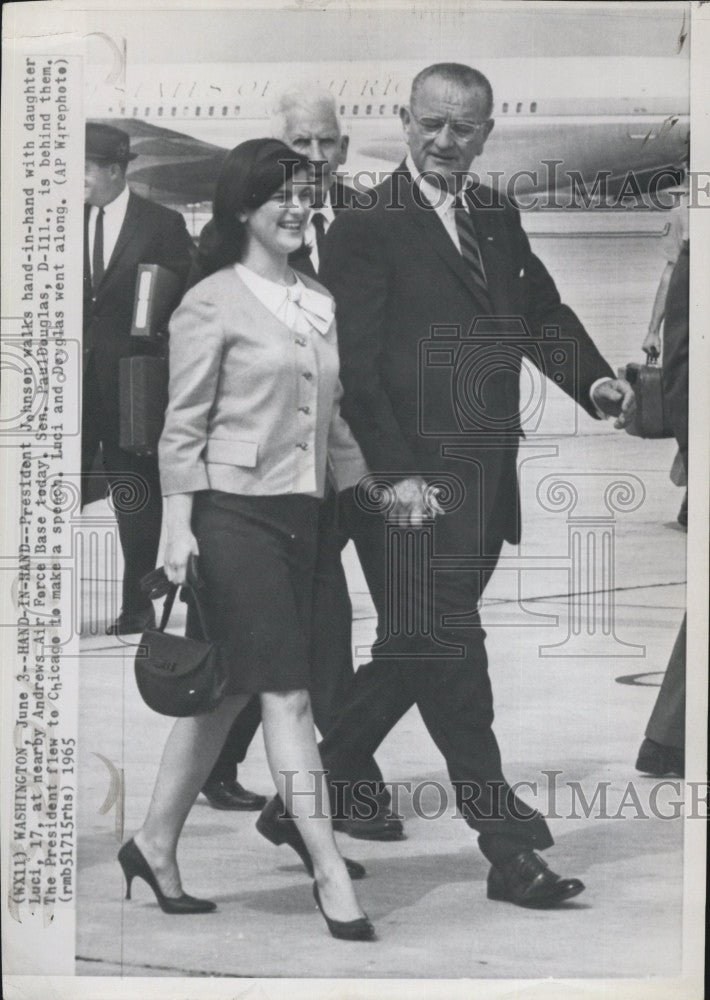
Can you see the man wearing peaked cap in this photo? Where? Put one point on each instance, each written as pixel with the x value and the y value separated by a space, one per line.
pixel 121 231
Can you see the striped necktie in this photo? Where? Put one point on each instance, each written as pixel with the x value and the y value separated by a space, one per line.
pixel 471 252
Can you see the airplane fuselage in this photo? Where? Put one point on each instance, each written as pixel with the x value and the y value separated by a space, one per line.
pixel 553 117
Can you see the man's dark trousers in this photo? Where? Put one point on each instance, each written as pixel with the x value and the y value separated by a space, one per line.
pixel 134 483
pixel 452 692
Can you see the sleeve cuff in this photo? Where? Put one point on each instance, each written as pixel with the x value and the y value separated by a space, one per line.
pixel 187 481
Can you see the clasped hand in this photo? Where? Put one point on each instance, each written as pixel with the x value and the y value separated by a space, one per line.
pixel 414 501
pixel 615 398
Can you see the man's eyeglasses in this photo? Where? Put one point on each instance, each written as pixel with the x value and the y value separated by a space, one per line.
pixel 462 131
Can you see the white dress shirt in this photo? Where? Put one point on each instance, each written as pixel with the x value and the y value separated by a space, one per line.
pixel 440 200
pixel 114 214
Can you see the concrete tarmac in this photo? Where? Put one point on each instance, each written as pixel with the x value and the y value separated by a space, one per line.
pixel 567 701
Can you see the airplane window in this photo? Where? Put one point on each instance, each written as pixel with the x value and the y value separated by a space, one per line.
pixel 368 109
pixel 382 109
pixel 173 111
pixel 211 110
pixel 533 106
pixel 342 109
pixel 518 108
pixel 160 110
pixel 135 112
pixel 355 109
pixel 197 111
pixel 224 110
pixel 147 112
pixel 505 107
pixel 236 109
pixel 395 109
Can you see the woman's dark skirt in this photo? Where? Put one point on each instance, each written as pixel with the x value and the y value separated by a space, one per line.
pixel 257 559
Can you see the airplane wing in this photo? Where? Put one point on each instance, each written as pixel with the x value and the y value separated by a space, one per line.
pixel 170 165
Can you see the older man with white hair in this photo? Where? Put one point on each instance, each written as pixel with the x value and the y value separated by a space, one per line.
pixel 306 119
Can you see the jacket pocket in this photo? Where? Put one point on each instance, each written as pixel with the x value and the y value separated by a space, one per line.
pixel 229 451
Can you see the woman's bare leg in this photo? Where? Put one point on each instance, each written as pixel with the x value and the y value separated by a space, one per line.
pixel 190 752
pixel 290 741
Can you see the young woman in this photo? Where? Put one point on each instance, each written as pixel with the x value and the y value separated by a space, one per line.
pixel 252 428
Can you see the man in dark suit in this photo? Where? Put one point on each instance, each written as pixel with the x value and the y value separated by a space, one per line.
pixel 663 750
pixel 428 262
pixel 121 231
pixel 307 121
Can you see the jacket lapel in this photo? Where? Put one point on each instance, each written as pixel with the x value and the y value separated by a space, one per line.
pixel 433 229
pixel 341 196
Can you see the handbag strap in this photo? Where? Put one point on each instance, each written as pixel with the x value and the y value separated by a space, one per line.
pixel 200 610
pixel 168 607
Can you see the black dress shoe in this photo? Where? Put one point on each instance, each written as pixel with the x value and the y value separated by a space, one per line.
pixel 659 760
pixel 280 829
pixel 127 624
pixel 527 881
pixel 231 795
pixel 377 828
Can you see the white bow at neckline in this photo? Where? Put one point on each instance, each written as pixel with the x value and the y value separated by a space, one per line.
pixel 315 307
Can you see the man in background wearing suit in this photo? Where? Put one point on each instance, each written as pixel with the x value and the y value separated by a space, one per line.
pixel 306 120
pixel 663 750
pixel 121 231
pixel 425 262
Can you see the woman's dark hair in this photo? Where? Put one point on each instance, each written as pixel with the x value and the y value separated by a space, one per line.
pixel 250 174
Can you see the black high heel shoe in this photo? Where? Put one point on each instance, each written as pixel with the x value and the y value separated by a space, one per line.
pixel 347 930
pixel 134 864
pixel 278 830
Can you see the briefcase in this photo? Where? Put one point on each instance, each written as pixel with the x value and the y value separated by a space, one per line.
pixel 650 419
pixel 143 399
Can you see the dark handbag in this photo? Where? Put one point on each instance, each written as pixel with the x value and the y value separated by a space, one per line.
pixel 178 676
pixel 650 419
pixel 143 399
